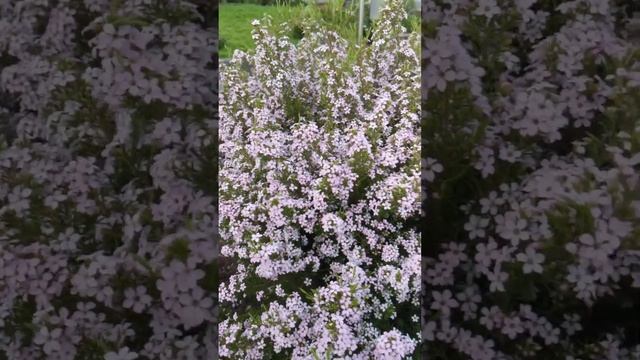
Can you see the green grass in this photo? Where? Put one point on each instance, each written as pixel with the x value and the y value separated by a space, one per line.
pixel 235 22
pixel 235 25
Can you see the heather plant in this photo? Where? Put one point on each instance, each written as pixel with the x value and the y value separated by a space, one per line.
pixel 107 192
pixel 319 196
pixel 532 213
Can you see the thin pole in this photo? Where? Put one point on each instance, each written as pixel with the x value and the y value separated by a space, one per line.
pixel 361 20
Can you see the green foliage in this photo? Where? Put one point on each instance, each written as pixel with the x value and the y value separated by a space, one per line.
pixel 339 16
pixel 335 15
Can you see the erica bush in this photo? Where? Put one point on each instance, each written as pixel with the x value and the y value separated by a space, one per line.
pixel 539 256
pixel 107 198
pixel 319 193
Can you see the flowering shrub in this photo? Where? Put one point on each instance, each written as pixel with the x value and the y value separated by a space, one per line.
pixel 530 124
pixel 319 194
pixel 107 204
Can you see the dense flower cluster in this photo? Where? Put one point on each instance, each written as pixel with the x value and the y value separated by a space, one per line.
pixel 319 193
pixel 544 257
pixel 107 204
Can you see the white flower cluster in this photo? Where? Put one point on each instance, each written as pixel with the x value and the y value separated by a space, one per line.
pixel 319 193
pixel 107 203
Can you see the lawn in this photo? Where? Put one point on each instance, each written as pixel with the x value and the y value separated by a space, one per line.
pixel 235 22
pixel 235 25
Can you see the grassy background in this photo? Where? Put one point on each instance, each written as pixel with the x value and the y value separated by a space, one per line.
pixel 235 25
pixel 235 21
